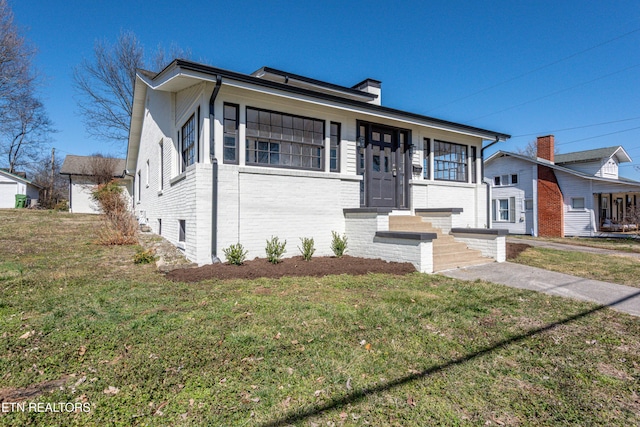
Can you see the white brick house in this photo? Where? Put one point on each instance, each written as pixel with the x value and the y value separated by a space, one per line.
pixel 220 157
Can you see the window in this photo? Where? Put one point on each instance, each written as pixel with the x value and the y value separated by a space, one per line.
pixel 426 146
pixel 139 186
pixel 449 161
pixel 283 140
pixel 182 231
pixel 528 204
pixel 159 226
pixel 577 203
pixel 474 156
pixel 146 178
pixel 188 143
pixel 230 149
pixel 161 166
pixel 334 155
pixel 502 180
pixel 504 210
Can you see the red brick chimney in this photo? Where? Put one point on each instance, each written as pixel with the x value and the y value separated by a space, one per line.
pixel 546 147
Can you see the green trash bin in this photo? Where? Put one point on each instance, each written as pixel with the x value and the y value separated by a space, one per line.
pixel 21 201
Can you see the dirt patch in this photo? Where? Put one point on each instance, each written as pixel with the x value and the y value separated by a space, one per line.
pixel 515 249
pixel 20 394
pixel 296 266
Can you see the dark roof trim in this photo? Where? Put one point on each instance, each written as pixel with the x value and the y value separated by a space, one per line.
pixel 206 69
pixel 313 81
pixel 368 82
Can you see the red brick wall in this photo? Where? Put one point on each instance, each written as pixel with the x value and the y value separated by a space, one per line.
pixel 546 147
pixel 550 204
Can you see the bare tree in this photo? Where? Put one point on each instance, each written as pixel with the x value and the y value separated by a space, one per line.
pixel 52 192
pixel 25 131
pixel 15 58
pixel 531 149
pixel 101 168
pixel 104 84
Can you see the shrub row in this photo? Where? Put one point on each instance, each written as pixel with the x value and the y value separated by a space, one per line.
pixel 275 249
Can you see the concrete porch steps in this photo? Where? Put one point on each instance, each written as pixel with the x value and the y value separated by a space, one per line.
pixel 447 252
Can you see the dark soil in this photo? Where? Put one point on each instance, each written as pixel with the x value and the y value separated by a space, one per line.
pixel 296 266
pixel 515 249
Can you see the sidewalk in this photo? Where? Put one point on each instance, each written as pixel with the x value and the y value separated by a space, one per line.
pixel 619 297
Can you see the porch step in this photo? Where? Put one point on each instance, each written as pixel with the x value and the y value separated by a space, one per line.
pixel 447 252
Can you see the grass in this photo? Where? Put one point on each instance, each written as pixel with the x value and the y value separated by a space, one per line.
pixel 339 350
pixel 626 244
pixel 608 268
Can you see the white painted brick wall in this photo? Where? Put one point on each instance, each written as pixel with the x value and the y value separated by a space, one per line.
pixel 439 194
pixel 258 203
pixel 491 246
pixel 362 242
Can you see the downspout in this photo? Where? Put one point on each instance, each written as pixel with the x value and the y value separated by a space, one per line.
pixel 488 183
pixel 214 174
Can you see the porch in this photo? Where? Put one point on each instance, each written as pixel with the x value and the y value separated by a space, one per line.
pixel 617 212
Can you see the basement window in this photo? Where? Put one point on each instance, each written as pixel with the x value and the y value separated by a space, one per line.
pixel 182 231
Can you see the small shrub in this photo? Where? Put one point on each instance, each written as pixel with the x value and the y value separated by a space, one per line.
pixel 307 250
pixel 338 244
pixel 235 254
pixel 120 226
pixel 275 249
pixel 144 256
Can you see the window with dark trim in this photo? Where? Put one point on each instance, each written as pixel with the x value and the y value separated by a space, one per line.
pixel 334 155
pixel 449 161
pixel 230 139
pixel 139 185
pixel 474 155
pixel 283 140
pixel 182 232
pixel 188 143
pixel 161 166
pixel 426 149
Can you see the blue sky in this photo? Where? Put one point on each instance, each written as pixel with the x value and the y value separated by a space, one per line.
pixel 525 68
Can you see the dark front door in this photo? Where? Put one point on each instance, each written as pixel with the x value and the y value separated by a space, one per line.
pixel 383 166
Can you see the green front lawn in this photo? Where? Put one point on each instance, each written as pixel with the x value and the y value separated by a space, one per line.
pixel 340 350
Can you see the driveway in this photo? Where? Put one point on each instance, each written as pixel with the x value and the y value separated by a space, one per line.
pixel 619 297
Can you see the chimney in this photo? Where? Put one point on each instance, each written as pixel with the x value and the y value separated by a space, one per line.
pixel 546 148
pixel 371 86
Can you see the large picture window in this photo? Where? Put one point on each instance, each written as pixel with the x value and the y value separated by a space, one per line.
pixel 283 140
pixel 449 161
pixel 188 142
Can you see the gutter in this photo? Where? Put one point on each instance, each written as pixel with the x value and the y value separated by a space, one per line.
pixel 488 182
pixel 214 174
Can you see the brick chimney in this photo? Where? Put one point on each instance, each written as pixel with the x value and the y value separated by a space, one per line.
pixel 546 148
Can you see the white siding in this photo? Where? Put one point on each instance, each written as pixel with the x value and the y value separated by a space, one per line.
pixel 521 191
pixel 576 222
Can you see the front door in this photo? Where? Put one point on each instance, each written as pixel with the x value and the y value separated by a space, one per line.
pixel 383 161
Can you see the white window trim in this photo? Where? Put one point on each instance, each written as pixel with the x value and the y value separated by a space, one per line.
pixel 511 211
pixel 584 204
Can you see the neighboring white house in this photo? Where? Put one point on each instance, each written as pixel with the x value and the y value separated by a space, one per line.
pixel 81 181
pixel 12 184
pixel 221 157
pixel 573 194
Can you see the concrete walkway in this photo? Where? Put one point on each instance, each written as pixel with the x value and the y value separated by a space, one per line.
pixel 618 297
pixel 574 248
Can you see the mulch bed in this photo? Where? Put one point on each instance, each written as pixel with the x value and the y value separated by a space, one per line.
pixel 296 266
pixel 515 249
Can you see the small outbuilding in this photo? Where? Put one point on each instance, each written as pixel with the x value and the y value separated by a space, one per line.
pixel 12 184
pixel 84 174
